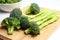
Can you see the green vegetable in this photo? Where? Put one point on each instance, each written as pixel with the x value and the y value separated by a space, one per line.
pixel 46 19
pixel 3 1
pixel 31 26
pixel 48 22
pixel 41 14
pixel 33 29
pixel 11 23
pixel 9 1
pixel 16 1
pixel 16 13
pixel 24 22
pixel 33 9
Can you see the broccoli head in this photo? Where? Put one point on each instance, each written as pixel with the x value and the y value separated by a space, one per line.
pixel 16 13
pixel 33 29
pixel 33 9
pixel 11 23
pixel 24 22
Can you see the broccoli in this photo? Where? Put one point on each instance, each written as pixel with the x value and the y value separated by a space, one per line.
pixel 28 23
pixel 33 29
pixel 33 9
pixel 11 23
pixel 24 22
pixel 16 13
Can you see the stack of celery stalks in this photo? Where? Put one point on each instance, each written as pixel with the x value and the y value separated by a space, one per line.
pixel 44 18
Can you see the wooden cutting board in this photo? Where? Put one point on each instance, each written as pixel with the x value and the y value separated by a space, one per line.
pixel 19 35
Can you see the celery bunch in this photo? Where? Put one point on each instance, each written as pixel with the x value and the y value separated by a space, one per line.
pixel 44 18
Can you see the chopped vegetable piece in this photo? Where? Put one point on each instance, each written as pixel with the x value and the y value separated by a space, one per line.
pixel 33 9
pixel 16 13
pixel 11 23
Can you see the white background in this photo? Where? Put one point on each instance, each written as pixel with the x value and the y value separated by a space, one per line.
pixel 51 4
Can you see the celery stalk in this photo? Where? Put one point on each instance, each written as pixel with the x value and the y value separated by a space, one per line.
pixel 48 22
pixel 42 17
pixel 47 18
pixel 40 14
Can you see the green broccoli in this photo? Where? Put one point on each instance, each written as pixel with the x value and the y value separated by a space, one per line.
pixel 11 23
pixel 33 9
pixel 33 29
pixel 24 22
pixel 16 13
pixel 28 23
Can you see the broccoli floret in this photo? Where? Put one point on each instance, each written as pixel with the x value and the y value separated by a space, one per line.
pixel 24 22
pixel 33 29
pixel 11 23
pixel 33 9
pixel 16 13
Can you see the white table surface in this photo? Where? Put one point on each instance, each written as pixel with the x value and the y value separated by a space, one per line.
pixel 51 4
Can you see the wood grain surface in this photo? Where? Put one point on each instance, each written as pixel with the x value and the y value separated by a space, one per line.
pixel 44 35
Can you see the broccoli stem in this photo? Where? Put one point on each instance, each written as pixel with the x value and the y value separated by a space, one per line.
pixel 18 27
pixel 27 31
pixel 28 11
pixel 48 22
pixel 10 30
